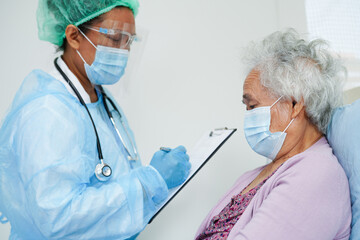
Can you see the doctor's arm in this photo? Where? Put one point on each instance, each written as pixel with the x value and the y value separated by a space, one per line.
pixel 57 174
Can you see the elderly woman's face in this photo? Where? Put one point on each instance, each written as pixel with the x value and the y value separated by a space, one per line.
pixel 256 95
pixel 286 112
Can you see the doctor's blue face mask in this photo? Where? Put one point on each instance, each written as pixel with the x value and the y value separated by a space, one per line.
pixel 258 135
pixel 108 66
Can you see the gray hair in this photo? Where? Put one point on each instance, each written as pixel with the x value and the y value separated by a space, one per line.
pixel 296 69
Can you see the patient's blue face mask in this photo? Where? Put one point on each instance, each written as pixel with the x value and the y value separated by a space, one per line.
pixel 258 135
pixel 108 66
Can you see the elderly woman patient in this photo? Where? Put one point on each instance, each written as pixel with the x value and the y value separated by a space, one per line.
pixel 303 193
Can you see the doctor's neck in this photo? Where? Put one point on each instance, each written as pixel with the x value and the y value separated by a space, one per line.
pixel 79 71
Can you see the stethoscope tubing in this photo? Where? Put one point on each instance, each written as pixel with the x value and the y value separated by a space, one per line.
pixel 82 103
pixel 112 120
pixel 98 145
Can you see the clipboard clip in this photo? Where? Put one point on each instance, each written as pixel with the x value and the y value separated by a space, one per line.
pixel 217 129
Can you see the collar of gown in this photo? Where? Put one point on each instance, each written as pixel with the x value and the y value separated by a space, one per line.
pixel 55 73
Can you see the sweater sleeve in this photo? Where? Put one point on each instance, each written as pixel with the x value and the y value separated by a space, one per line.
pixel 310 202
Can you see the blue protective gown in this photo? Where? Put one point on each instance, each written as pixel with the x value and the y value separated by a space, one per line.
pixel 48 155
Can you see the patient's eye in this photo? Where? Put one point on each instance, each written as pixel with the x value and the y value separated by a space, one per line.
pixel 250 107
pixel 250 102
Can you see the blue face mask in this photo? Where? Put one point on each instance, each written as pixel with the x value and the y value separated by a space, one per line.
pixel 108 66
pixel 258 135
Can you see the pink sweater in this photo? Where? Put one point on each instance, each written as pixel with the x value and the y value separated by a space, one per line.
pixel 307 198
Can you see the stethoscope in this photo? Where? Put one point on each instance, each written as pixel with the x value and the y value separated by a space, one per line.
pixel 102 170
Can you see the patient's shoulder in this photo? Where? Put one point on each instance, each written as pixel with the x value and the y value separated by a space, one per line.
pixel 317 165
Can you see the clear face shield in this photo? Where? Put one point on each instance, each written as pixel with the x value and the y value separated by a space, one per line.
pixel 122 36
pixel 115 34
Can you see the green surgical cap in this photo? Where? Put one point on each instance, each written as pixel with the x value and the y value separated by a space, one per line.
pixel 53 16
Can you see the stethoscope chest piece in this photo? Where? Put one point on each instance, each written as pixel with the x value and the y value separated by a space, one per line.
pixel 102 171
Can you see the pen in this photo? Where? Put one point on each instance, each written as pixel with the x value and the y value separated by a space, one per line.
pixel 165 149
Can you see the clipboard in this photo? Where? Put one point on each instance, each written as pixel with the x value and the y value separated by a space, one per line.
pixel 204 149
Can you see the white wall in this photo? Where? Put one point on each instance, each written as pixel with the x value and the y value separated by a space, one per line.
pixel 189 81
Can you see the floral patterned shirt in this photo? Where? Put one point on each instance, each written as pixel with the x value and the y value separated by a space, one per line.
pixel 221 224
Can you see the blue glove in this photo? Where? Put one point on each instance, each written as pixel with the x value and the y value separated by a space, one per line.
pixel 173 166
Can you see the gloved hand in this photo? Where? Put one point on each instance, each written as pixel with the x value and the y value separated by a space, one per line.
pixel 173 166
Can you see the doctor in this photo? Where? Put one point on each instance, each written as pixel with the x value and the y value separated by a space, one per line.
pixel 69 168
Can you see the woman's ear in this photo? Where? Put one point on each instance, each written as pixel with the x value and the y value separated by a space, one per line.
pixel 73 36
pixel 297 107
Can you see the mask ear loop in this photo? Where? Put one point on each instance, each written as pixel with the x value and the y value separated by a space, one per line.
pixel 288 125
pixel 284 129
pixel 81 56
pixel 276 146
pixel 89 42
pixel 87 38
pixel 276 102
pixel 289 122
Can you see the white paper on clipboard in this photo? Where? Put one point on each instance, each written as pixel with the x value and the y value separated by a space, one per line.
pixel 203 150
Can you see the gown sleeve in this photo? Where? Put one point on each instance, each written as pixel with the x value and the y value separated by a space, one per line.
pixel 56 171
